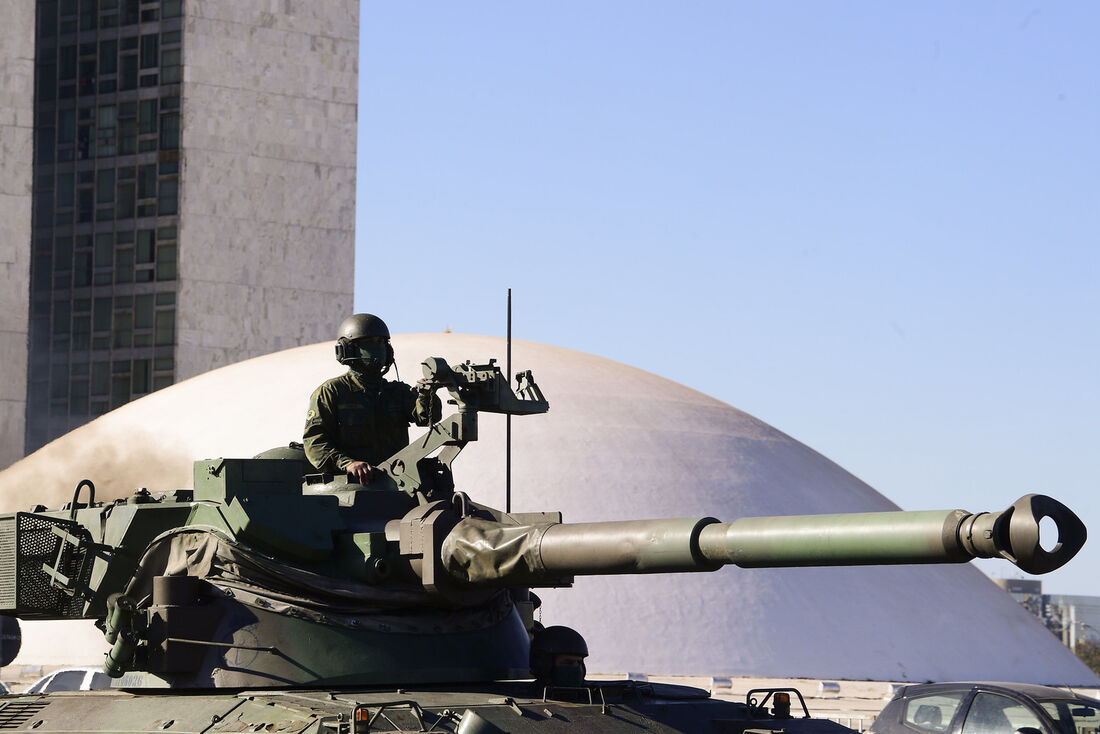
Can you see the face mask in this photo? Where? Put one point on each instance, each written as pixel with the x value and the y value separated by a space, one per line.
pixel 372 359
pixel 374 355
pixel 567 675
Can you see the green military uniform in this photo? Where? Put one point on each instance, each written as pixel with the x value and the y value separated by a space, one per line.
pixel 356 417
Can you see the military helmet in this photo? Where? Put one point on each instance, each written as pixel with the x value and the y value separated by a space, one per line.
pixel 364 326
pixel 550 642
pixel 360 325
pixel 560 640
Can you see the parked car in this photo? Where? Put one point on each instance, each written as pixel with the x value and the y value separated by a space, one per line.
pixel 987 708
pixel 71 679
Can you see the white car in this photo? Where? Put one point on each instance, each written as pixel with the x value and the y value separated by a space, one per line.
pixel 71 679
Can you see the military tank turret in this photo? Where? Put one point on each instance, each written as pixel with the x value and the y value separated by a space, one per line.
pixel 288 601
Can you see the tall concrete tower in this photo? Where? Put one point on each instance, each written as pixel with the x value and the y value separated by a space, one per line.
pixel 193 193
pixel 16 135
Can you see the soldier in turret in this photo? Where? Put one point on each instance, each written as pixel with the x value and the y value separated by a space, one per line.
pixel 557 656
pixel 359 419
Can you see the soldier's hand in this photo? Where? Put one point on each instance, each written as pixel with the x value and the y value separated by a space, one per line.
pixel 360 471
pixel 425 398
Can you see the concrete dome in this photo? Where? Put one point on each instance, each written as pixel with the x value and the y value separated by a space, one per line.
pixel 618 443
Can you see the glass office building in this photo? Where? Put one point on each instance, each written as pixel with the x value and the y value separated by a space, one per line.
pixel 121 301
pixel 106 208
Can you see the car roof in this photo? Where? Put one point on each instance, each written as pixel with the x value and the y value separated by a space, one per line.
pixel 86 670
pixel 74 669
pixel 1032 690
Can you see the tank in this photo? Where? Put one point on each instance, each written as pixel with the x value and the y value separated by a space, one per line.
pixel 268 598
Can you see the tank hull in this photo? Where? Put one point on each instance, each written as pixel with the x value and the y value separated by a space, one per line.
pixel 609 707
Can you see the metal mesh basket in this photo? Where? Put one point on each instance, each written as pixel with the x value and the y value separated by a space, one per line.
pixel 27 543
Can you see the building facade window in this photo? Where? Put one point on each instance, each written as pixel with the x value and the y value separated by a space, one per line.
pixel 106 183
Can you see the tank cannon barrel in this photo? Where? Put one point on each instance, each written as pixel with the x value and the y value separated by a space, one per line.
pixel 871 538
pixel 953 536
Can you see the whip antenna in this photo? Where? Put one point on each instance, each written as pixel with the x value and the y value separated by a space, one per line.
pixel 508 419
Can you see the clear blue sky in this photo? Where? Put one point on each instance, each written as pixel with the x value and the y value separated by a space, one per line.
pixel 874 226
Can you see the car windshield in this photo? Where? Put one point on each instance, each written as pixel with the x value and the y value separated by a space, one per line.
pixel 1074 717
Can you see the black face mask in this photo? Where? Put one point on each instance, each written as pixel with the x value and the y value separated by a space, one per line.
pixel 567 675
pixel 374 357
pixel 364 358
